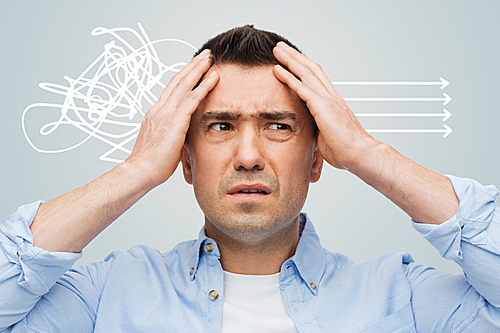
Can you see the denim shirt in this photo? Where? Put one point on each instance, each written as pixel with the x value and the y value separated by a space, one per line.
pixel 182 290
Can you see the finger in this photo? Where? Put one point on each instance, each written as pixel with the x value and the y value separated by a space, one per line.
pixel 194 98
pixel 308 63
pixel 187 83
pixel 305 69
pixel 174 125
pixel 305 93
pixel 202 57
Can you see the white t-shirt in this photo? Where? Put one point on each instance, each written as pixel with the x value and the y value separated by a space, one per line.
pixel 253 303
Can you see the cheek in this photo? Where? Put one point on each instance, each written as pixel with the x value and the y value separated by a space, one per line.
pixel 208 167
pixel 201 169
pixel 293 170
pixel 203 176
pixel 294 164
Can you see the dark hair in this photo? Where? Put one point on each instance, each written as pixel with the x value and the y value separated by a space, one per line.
pixel 244 46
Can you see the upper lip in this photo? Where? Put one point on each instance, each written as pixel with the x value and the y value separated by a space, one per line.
pixel 241 187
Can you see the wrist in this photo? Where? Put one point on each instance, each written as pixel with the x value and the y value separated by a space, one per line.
pixel 134 177
pixel 376 166
pixel 369 153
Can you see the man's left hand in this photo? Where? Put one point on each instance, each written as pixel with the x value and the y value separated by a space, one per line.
pixel 423 194
pixel 341 140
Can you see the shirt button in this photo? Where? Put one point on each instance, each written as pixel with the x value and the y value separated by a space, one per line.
pixel 209 247
pixel 313 285
pixel 191 271
pixel 213 294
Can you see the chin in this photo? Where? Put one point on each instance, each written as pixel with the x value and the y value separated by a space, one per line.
pixel 250 224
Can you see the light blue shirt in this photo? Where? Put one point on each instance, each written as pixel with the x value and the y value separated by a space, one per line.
pixel 143 290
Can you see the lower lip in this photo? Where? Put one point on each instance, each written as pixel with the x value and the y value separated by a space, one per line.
pixel 251 196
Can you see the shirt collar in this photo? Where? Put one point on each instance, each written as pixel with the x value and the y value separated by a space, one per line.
pixel 197 250
pixel 309 257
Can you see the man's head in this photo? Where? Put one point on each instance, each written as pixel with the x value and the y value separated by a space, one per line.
pixel 251 133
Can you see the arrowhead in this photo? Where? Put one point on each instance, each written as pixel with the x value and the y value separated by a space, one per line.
pixel 445 83
pixel 447 114
pixel 447 99
pixel 448 130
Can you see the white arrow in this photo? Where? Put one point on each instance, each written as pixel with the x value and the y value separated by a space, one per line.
pixel 446 131
pixel 443 83
pixel 446 114
pixel 445 100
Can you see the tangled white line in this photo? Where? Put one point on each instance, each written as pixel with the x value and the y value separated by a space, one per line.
pixel 114 95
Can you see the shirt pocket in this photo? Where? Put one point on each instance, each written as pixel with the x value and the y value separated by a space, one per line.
pixel 400 321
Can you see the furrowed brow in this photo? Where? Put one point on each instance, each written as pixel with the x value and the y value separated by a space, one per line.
pixel 219 115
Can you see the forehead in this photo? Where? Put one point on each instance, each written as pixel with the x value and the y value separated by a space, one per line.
pixel 250 90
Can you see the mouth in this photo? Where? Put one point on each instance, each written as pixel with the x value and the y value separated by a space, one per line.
pixel 252 191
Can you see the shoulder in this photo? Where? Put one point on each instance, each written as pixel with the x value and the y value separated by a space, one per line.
pixel 146 253
pixel 390 268
pixel 138 261
pixel 384 261
pixel 379 283
pixel 138 256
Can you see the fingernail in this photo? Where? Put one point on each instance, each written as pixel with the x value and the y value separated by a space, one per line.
pixel 212 74
pixel 204 52
pixel 282 45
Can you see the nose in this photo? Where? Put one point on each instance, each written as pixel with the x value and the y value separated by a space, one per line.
pixel 249 151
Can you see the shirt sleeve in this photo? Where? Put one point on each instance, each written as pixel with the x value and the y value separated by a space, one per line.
pixel 27 273
pixel 468 302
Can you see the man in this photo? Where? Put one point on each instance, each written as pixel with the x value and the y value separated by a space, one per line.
pixel 251 134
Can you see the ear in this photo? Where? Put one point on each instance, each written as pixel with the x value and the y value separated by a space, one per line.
pixel 186 165
pixel 317 166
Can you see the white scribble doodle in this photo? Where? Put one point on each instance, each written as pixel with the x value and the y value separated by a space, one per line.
pixel 108 100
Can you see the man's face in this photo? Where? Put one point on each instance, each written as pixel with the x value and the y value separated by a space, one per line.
pixel 251 133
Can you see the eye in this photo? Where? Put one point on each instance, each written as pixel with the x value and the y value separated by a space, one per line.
pixel 279 127
pixel 220 127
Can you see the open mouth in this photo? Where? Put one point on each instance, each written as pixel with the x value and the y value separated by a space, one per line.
pixel 250 191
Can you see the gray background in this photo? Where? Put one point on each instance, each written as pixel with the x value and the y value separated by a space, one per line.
pixel 352 40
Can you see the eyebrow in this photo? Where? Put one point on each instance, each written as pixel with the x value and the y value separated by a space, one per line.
pixel 219 115
pixel 278 115
pixel 227 115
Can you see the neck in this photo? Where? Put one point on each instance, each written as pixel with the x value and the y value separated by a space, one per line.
pixel 261 256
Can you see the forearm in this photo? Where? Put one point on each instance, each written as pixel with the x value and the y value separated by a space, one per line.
pixel 71 221
pixel 424 195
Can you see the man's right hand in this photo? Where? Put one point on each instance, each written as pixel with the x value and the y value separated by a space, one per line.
pixel 157 150
pixel 69 222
